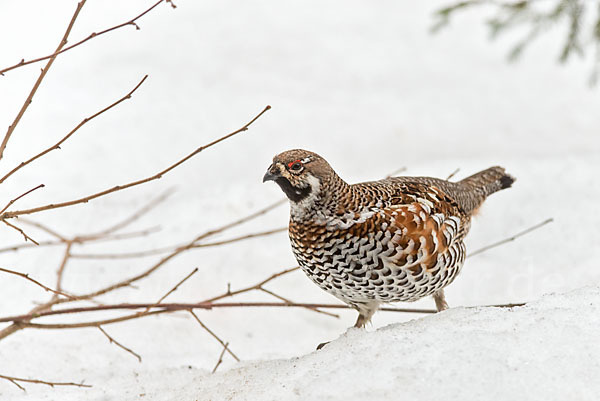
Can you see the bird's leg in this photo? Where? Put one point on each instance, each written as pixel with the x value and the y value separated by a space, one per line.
pixel 440 300
pixel 365 313
pixel 361 321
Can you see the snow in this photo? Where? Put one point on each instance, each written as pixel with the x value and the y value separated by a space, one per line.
pixel 545 350
pixel 366 86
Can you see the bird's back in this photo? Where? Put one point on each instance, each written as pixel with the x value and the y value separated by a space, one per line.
pixel 462 197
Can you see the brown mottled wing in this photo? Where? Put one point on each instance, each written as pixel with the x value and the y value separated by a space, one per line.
pixel 419 237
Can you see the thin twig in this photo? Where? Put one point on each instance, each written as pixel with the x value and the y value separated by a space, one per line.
pixel 83 239
pixel 19 197
pixel 15 380
pixel 27 237
pixel 513 305
pixel 44 228
pixel 29 99
pixel 172 290
pixel 241 238
pixel 214 335
pixel 135 216
pixel 118 344
pixel 8 215
pixel 514 237
pixel 26 277
pixel 63 264
pixel 230 293
pixel 89 238
pixel 150 252
pixel 398 171
pixel 171 307
pixel 129 281
pixel 290 302
pixel 100 236
pixel 220 357
pixel 82 123
pixel 452 174
pixel 91 36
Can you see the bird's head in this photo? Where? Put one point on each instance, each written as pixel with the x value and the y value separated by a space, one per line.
pixel 300 174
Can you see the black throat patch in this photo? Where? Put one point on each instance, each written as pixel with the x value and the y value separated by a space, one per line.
pixel 294 194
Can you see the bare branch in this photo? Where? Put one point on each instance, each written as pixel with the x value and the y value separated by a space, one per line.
pixel 172 290
pixel 27 237
pixel 215 336
pixel 44 228
pixel 291 302
pixel 63 264
pixel 29 99
pixel 19 197
pixel 90 36
pixel 15 380
pixel 26 277
pixel 178 251
pixel 8 215
pixel 230 293
pixel 170 307
pixel 82 123
pixel 241 238
pixel 83 239
pixel 452 174
pixel 220 357
pixel 150 252
pixel 118 344
pixel 514 237
pixel 135 216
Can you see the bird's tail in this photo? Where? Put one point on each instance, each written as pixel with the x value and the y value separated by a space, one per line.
pixel 488 181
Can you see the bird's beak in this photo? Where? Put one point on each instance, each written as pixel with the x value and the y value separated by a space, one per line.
pixel 272 173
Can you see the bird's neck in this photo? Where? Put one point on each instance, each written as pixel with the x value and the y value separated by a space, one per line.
pixel 323 203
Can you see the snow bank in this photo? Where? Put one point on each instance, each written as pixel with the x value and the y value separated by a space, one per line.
pixel 546 350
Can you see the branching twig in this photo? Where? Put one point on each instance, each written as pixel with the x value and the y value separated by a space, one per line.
pixel 129 281
pixel 91 36
pixel 150 252
pixel 118 344
pixel 29 99
pixel 170 307
pixel 230 293
pixel 57 145
pixel 27 237
pixel 8 215
pixel 16 380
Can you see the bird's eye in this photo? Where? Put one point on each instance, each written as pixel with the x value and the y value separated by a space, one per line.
pixel 296 165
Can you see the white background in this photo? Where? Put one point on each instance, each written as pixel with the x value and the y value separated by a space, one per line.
pixel 363 84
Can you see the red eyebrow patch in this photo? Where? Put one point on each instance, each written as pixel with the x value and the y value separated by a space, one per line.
pixel 290 164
